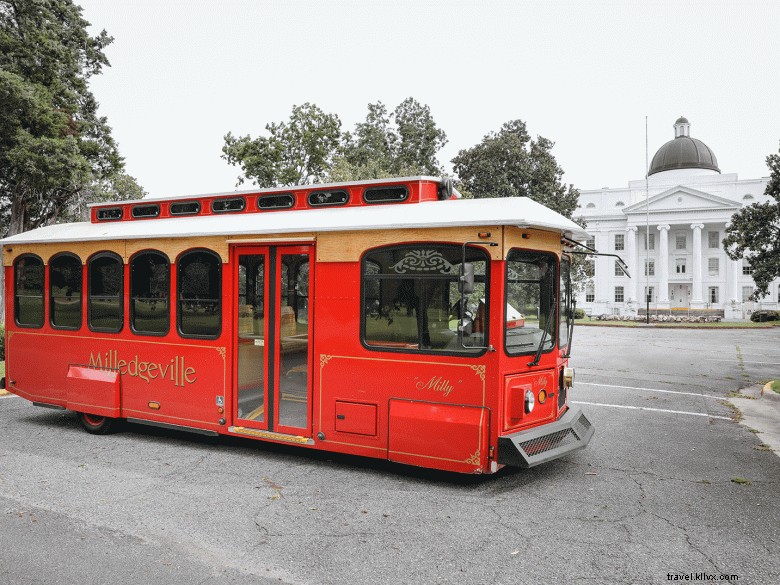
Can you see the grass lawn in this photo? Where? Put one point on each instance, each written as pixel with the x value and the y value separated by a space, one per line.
pixel 721 325
pixel 2 369
pixel 776 386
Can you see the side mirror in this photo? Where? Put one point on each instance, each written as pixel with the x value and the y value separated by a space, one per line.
pixel 466 278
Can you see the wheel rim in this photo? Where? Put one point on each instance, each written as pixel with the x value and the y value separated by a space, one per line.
pixel 92 420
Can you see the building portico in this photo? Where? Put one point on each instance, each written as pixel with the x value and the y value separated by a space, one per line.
pixel 669 230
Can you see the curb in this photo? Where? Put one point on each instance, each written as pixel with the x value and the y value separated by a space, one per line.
pixel 767 392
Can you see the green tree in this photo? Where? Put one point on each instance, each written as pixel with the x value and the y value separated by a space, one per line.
pixel 296 152
pixel 117 187
pixel 52 142
pixel 754 234
pixel 510 164
pixel 390 145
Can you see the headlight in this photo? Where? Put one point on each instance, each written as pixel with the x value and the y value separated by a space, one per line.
pixel 529 401
pixel 568 377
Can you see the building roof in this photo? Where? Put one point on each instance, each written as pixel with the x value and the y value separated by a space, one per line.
pixel 683 152
pixel 519 211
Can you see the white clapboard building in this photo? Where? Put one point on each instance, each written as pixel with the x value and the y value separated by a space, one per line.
pixel 682 266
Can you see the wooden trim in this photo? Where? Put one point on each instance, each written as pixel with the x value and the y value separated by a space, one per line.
pixel 172 247
pixel 535 240
pixel 350 246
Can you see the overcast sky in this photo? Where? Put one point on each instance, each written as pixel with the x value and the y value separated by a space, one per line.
pixel 583 74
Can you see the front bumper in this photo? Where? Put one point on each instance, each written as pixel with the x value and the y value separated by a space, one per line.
pixel 547 442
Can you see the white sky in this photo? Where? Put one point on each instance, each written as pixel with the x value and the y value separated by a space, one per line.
pixel 583 74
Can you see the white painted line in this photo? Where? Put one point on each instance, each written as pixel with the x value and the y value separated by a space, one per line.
pixel 652 409
pixel 745 362
pixel 8 396
pixel 650 390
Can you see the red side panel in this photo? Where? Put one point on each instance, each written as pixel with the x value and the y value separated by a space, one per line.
pixel 93 391
pixel 355 417
pixel 445 436
pixel 515 388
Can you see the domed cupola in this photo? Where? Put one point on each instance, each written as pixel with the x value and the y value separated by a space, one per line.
pixel 683 152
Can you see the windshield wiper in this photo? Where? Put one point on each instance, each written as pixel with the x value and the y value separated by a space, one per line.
pixel 545 333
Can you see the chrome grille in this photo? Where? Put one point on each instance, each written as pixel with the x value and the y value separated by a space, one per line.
pixel 548 442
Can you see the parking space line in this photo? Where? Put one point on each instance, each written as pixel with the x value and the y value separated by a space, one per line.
pixel 745 362
pixel 650 390
pixel 652 409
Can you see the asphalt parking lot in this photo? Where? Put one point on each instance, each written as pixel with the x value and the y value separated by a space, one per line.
pixel 670 485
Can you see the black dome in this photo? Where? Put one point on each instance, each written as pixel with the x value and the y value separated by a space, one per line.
pixel 683 152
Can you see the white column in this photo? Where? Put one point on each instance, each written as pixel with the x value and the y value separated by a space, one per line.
pixel 633 268
pixel 736 271
pixel 663 265
pixel 697 300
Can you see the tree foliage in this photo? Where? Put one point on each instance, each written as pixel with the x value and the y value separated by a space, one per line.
pixel 296 152
pixel 754 234
pixel 508 163
pixel 402 143
pixel 52 142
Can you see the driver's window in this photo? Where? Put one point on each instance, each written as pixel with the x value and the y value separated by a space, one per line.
pixel 530 295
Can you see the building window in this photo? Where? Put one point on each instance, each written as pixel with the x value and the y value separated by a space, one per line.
pixel 649 238
pixel 713 266
pixel 747 197
pixel 618 270
pixel 618 294
pixel 620 242
pixel 65 291
pixel 649 267
pixel 746 292
pixel 591 243
pixel 200 287
pixel 747 269
pixel 106 287
pixel 590 294
pixel 28 291
pixel 649 294
pixel 681 241
pixel 680 265
pixel 714 238
pixel 712 294
pixel 590 206
pixel 620 204
pixel 149 293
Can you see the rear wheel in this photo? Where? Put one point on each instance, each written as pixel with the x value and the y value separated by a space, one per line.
pixel 95 424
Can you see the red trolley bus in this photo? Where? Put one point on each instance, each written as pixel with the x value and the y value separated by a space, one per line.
pixel 385 318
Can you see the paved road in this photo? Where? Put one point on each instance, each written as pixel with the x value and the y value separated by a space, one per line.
pixel 653 493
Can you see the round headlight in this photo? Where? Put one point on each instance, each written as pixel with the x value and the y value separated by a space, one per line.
pixel 529 401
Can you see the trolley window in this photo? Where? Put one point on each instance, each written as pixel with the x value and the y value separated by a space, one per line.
pixel 185 208
pixel 323 198
pixel 141 211
pixel 200 288
pixel 109 214
pixel 385 194
pixel 65 275
pixel 106 283
pixel 530 302
pixel 28 291
pixel 413 301
pixel 566 302
pixel 149 292
pixel 283 201
pixel 228 205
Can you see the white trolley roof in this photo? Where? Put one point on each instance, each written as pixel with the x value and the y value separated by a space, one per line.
pixel 517 211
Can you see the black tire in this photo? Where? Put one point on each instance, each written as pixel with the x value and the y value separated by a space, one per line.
pixel 96 425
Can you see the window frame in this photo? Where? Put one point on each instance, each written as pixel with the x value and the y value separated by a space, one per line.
pixel 173 204
pixel 622 294
pixel 556 291
pixel 471 353
pixel 97 256
pixel 314 194
pixel 16 291
pixel 242 199
pixel 620 242
pixel 81 292
pixel 288 197
pixel 368 190
pixel 178 294
pixel 131 297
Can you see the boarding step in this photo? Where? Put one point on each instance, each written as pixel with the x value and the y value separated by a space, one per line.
pixel 260 434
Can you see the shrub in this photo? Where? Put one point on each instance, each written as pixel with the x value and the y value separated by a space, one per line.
pixel 579 313
pixel 764 315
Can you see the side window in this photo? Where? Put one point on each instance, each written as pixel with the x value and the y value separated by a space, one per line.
pixel 65 291
pixel 106 284
pixel 412 300
pixel 200 290
pixel 149 293
pixel 28 291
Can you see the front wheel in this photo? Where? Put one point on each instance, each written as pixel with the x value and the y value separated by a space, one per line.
pixel 95 424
